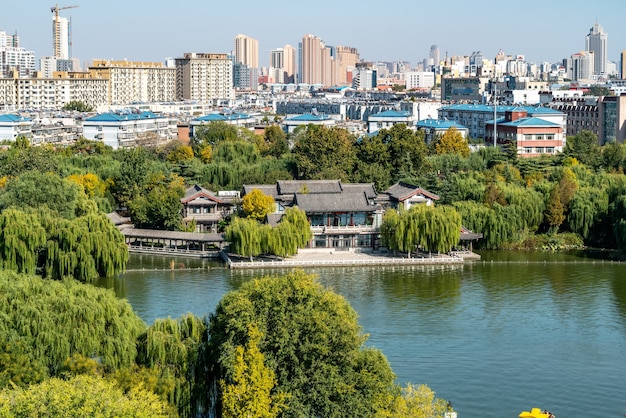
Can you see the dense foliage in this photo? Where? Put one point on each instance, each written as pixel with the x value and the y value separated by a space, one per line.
pixel 53 320
pixel 310 339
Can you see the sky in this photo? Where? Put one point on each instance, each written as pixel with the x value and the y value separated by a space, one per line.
pixel 401 30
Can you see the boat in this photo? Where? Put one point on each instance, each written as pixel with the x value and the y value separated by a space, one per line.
pixel 536 413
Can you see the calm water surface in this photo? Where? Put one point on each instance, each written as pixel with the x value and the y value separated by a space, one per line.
pixel 495 337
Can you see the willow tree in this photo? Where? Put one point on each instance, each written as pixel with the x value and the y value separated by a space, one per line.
pixel 55 320
pixel 172 349
pixel 310 338
pixel 430 228
pixel 244 237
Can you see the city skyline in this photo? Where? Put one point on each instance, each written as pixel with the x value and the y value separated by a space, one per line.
pixel 541 31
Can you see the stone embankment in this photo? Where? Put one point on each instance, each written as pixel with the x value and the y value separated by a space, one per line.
pixel 334 258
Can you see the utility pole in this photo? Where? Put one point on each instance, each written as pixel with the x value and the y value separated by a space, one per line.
pixel 495 112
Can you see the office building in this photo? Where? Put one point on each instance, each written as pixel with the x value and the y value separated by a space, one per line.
pixel 596 42
pixel 204 77
pixel 623 65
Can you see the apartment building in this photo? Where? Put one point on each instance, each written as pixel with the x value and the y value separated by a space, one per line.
pixel 205 77
pixel 124 129
pixel 136 82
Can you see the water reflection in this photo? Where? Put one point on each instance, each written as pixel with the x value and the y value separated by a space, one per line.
pixel 514 331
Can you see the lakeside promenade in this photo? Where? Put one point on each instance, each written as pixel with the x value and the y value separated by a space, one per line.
pixel 332 258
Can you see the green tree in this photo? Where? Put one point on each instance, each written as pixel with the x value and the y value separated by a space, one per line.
pixel 172 350
pixel 244 236
pixel 54 320
pixel 212 134
pixel 452 142
pixel 430 228
pixel 249 393
pixel 81 396
pixel 21 158
pixel 555 212
pixel 35 189
pixel 413 401
pixel 583 147
pixel 275 141
pixel 310 339
pixel 407 151
pixel 78 106
pixel 324 153
pixel 257 205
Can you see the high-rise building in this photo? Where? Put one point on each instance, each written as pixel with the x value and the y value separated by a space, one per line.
pixel 317 63
pixel 289 60
pixel 60 37
pixel 596 42
pixel 580 66
pixel 204 77
pixel 347 59
pixel 623 65
pixel 14 58
pixel 246 59
pixel 247 51
pixel 434 54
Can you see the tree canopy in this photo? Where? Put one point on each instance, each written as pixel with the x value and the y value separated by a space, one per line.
pixel 310 339
pixel 55 320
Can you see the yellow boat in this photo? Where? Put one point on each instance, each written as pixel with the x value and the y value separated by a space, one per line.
pixel 536 413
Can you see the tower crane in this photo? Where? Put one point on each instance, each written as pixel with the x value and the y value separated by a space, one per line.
pixel 57 38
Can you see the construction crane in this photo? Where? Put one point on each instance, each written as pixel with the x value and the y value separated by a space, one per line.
pixel 57 32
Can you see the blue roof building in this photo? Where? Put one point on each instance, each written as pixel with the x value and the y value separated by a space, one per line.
pixel 128 129
pixel 291 124
pixel 388 118
pixel 12 126
pixel 475 116
pixel 238 119
pixel 434 127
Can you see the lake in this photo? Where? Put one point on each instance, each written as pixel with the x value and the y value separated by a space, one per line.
pixel 495 337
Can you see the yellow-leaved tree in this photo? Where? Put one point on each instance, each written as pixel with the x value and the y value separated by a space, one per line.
pixel 256 204
pixel 452 142
pixel 248 392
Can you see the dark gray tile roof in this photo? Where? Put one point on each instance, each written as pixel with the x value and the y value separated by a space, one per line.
pixel 267 189
pixel 310 186
pixel 366 188
pixel 172 235
pixel 333 202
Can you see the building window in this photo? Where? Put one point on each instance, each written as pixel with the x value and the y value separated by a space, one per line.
pixel 539 137
pixel 528 137
pixel 528 150
pixel 549 150
pixel 539 150
pixel 550 137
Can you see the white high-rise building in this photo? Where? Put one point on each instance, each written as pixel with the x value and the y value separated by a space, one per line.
pixel 60 37
pixel 580 66
pixel 15 58
pixel 596 42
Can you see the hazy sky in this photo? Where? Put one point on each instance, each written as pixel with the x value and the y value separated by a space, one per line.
pixel 141 30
